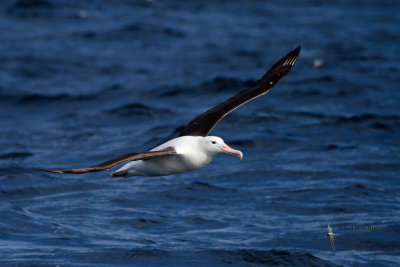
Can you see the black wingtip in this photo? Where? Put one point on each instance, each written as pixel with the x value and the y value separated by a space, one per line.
pixel 297 50
pixel 281 68
pixel 288 60
pixel 293 55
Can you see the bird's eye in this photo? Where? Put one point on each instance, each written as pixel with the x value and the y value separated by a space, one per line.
pixel 213 142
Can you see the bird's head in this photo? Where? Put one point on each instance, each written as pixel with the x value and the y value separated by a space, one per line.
pixel 215 145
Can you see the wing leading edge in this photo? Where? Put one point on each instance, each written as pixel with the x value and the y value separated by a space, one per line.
pixel 116 161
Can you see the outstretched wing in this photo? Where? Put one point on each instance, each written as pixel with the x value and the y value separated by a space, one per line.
pixel 332 242
pixel 116 161
pixel 329 228
pixel 204 123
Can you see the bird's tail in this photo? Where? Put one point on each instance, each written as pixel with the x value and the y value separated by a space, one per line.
pixel 122 173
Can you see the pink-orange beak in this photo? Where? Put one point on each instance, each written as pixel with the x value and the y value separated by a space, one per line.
pixel 230 151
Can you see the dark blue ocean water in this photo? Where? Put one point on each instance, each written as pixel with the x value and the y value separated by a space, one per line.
pixel 85 81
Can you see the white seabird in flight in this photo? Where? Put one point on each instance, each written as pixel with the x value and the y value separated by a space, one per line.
pixel 193 148
pixel 331 236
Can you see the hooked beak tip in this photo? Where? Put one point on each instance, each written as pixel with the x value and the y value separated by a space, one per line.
pixel 233 152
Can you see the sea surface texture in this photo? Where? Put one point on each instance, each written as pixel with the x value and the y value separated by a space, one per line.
pixel 85 81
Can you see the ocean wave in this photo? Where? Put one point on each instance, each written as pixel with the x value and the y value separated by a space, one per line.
pixel 36 98
pixel 134 31
pixel 143 222
pixel 31 8
pixel 24 98
pixel 217 85
pixel 137 110
pixel 271 257
pixel 13 155
pixel 205 187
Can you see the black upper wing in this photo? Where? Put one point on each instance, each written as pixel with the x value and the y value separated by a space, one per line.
pixel 204 123
pixel 116 161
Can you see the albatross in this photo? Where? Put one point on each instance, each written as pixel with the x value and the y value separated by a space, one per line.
pixel 193 148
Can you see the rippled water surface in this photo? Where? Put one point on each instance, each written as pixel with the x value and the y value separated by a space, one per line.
pixel 84 82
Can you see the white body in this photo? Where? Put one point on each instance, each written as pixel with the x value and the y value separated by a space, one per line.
pixel 192 152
